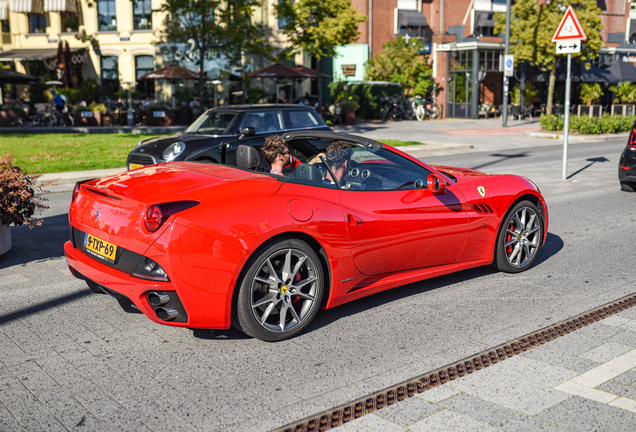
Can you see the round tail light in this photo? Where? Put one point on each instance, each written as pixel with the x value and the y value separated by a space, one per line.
pixel 153 218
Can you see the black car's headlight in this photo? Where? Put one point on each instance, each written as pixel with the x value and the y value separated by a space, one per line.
pixel 173 150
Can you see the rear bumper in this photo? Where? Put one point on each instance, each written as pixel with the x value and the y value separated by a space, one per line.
pixel 201 306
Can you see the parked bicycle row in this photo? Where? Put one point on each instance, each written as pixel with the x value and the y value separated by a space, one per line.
pixel 47 116
pixel 393 108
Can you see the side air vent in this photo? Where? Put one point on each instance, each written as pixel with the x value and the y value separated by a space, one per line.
pixel 483 209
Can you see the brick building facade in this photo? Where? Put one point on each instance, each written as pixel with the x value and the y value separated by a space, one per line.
pixel 464 53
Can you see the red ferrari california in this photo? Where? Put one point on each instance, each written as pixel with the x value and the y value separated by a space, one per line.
pixel 212 245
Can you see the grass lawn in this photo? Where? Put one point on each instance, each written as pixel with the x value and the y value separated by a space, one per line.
pixel 52 153
pixel 398 143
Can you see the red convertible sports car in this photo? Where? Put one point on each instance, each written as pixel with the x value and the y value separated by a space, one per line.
pixel 208 245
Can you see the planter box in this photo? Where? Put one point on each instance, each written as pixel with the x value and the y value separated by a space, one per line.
pixel 623 109
pixel 88 118
pixel 349 116
pixel 8 117
pixel 5 238
pixel 160 118
pixel 590 110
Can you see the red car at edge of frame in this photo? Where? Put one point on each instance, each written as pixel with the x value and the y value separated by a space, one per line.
pixel 208 246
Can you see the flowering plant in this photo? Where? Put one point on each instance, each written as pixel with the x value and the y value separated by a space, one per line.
pixel 18 198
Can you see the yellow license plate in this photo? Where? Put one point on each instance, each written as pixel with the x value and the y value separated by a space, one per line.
pixel 133 166
pixel 100 248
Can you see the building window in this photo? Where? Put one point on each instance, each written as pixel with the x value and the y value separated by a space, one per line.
pixel 144 64
pixel 282 22
pixel 107 15
pixel 110 76
pixel 70 22
pixel 142 15
pixel 37 23
pixel 6 28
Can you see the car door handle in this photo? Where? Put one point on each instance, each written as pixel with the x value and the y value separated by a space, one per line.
pixel 354 220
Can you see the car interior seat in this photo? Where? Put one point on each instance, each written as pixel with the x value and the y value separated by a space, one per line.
pixel 306 173
pixel 247 157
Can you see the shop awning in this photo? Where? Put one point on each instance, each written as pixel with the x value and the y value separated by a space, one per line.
pixel 411 19
pixel 31 54
pixel 4 9
pixel 484 19
pixel 27 6
pixel 60 6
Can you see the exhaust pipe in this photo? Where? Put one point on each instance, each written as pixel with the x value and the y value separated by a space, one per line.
pixel 166 314
pixel 156 299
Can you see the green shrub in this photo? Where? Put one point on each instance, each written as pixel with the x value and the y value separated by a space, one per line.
pixel 588 125
pixel 368 94
pixel 551 122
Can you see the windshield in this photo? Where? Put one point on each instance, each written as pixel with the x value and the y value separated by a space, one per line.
pixel 213 122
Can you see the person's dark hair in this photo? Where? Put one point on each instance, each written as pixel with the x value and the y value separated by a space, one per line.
pixel 338 153
pixel 274 145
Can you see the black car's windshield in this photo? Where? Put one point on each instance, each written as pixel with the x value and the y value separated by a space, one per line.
pixel 213 122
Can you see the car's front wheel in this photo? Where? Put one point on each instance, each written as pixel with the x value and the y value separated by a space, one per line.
pixel 520 238
pixel 280 293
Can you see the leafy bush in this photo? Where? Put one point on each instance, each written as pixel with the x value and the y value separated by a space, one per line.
pixel 625 92
pixel 18 199
pixel 589 125
pixel 551 122
pixel 369 94
pixel 590 93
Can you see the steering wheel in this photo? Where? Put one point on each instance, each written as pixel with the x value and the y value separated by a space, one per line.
pixel 419 183
pixel 410 182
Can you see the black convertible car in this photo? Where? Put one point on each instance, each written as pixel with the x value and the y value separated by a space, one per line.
pixel 202 141
pixel 627 164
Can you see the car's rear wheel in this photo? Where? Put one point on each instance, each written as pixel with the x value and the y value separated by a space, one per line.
pixel 627 187
pixel 281 291
pixel 520 238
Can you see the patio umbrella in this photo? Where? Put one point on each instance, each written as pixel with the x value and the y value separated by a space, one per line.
pixel 171 72
pixel 587 73
pixel 623 70
pixel 13 77
pixel 277 72
pixel 311 72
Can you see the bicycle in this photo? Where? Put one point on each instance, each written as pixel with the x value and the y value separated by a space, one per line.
pixel 424 108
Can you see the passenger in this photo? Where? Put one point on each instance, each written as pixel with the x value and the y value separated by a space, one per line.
pixel 277 154
pixel 338 156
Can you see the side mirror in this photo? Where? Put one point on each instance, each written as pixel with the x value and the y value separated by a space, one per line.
pixel 246 132
pixel 436 185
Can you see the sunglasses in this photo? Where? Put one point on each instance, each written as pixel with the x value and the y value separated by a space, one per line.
pixel 286 152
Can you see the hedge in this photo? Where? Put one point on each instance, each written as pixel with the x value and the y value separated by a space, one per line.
pixel 589 125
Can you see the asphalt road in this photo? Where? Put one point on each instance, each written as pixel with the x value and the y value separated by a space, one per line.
pixel 74 359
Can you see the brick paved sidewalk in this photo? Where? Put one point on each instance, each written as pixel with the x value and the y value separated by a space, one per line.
pixel 583 381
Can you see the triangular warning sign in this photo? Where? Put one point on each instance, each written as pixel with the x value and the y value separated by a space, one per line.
pixel 570 28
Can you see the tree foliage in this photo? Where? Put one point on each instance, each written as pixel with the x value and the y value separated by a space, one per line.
pixel 318 27
pixel 218 28
pixel 625 92
pixel 533 25
pixel 400 61
pixel 590 93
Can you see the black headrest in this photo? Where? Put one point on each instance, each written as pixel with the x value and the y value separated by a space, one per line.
pixel 308 173
pixel 247 157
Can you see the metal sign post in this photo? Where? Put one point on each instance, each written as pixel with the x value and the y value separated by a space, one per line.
pixel 568 37
pixel 566 125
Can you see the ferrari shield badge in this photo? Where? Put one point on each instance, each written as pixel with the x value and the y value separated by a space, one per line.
pixel 481 191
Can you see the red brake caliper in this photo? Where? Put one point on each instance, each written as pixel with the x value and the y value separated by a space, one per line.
pixel 296 279
pixel 508 238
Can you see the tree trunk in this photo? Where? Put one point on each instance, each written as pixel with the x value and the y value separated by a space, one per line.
pixel 201 79
pixel 319 83
pixel 551 81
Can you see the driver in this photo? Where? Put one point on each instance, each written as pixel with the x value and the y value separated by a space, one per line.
pixel 278 155
pixel 338 157
pixel 256 122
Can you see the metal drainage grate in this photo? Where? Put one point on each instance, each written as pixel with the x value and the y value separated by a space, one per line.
pixel 350 411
